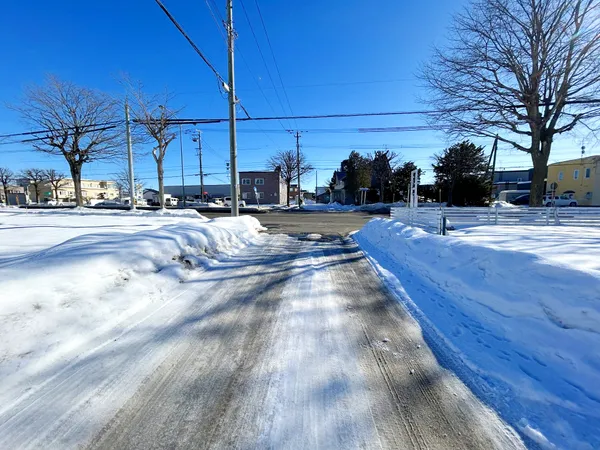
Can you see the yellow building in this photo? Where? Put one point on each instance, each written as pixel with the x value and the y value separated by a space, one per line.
pixel 90 190
pixel 580 176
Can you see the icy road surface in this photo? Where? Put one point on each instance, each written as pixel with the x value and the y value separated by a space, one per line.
pixel 289 344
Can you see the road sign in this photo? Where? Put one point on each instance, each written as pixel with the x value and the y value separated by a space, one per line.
pixel 255 190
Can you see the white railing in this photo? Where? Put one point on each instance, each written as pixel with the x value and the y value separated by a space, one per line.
pixel 433 219
pixel 430 219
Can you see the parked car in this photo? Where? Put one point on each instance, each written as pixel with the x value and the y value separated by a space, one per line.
pixel 227 202
pixel 563 200
pixel 521 200
pixel 510 195
pixel 108 203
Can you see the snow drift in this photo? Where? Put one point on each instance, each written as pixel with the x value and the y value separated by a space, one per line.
pixel 57 297
pixel 519 323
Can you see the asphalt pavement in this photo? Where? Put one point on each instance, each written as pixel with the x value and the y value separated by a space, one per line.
pixel 302 347
pixel 305 222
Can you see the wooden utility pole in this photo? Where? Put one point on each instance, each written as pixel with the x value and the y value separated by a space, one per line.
pixel 232 128
pixel 298 165
pixel 129 158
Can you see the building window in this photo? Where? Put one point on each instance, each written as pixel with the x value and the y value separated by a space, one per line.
pixel 259 181
pixel 576 174
pixel 588 195
pixel 519 179
pixel 246 181
pixel 261 195
pixel 245 195
pixel 588 172
pixel 560 175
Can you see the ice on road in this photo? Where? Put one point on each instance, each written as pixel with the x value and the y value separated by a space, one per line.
pixel 290 343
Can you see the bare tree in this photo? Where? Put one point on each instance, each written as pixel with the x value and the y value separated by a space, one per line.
pixel 6 176
pixel 36 177
pixel 286 162
pixel 56 180
pixel 121 180
pixel 524 69
pixel 382 169
pixel 152 115
pixel 79 123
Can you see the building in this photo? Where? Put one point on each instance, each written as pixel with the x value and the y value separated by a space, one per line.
pixel 270 188
pixel 338 194
pixel 90 190
pixel 508 180
pixel 16 195
pixel 322 195
pixel 581 177
pixel 193 191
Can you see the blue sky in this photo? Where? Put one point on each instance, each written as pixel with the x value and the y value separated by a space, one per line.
pixel 339 56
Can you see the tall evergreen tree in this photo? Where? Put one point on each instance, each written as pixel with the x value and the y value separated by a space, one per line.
pixel 461 169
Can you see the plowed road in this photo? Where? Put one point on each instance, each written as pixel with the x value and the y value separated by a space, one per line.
pixel 291 344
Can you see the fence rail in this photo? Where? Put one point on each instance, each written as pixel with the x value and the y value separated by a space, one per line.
pixel 432 219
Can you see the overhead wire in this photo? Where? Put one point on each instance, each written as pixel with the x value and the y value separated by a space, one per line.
pixel 198 51
pixel 274 59
pixel 262 56
pixel 220 28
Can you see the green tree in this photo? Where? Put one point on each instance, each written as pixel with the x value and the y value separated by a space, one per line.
pixel 401 178
pixel 358 173
pixel 461 169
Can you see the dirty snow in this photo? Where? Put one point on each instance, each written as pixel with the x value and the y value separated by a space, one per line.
pixel 68 277
pixel 515 311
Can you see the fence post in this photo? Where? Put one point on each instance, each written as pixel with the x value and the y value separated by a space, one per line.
pixel 547 216
pixel 496 217
pixel 489 215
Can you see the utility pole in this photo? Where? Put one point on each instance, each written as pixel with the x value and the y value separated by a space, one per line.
pixel 232 132
pixel 130 159
pixel 298 163
pixel 181 154
pixel 493 158
pixel 201 172
pixel 316 183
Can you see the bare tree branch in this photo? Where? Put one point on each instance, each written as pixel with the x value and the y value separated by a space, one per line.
pixel 151 116
pixel 82 125
pixel 6 177
pixel 510 69
pixel 286 162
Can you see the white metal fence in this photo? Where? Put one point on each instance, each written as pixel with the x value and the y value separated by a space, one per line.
pixel 432 219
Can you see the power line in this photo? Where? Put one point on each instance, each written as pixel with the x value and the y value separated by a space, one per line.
pixel 29 133
pixel 262 56
pixel 194 46
pixel 274 60
pixel 199 52
pixel 212 13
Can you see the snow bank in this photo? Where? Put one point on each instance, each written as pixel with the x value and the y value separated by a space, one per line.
pixel 515 312
pixel 336 207
pixel 81 211
pixel 58 294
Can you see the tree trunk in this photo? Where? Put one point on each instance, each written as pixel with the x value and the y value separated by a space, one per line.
pixel 161 185
pixel 36 188
pixel 56 194
pixel 5 194
pixel 540 169
pixel 450 189
pixel 288 183
pixel 76 175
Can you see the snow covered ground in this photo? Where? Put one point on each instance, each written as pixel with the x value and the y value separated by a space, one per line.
pixel 69 276
pixel 515 311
